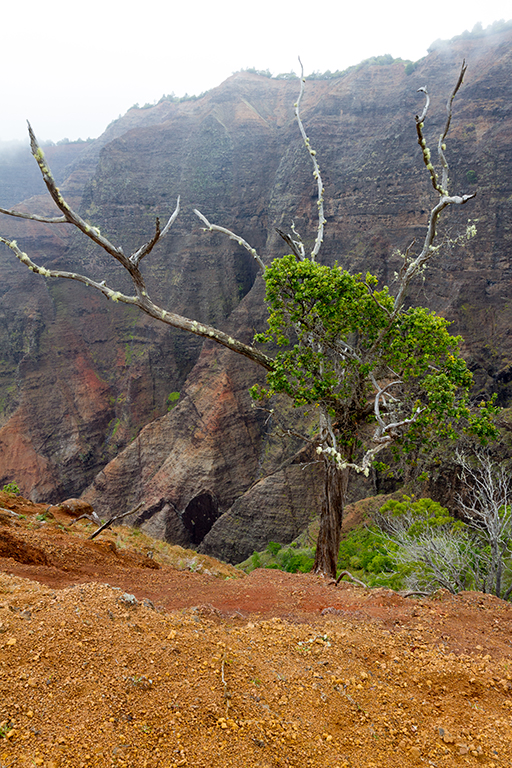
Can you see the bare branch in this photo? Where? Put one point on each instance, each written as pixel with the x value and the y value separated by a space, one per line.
pixel 442 137
pixel 428 249
pixel 352 578
pixel 232 236
pixel 93 518
pixel 376 407
pixel 421 118
pixel 9 512
pixel 381 306
pixel 486 505
pixel 143 301
pixel 105 290
pixel 298 242
pixel 137 257
pixel 113 520
pixel 443 187
pixel 316 170
pixel 423 144
pixel 298 252
pixel 73 218
pixel 35 217
pixel 397 424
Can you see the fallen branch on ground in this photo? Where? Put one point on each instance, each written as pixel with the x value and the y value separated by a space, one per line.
pixel 352 578
pixel 93 517
pixel 113 520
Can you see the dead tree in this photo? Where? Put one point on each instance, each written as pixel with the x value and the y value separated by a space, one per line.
pixel 365 383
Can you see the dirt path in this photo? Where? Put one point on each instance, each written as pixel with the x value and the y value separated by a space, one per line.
pixel 109 657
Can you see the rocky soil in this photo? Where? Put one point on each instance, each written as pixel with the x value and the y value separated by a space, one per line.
pixel 114 652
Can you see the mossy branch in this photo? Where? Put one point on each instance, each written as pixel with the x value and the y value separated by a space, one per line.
pixel 316 170
pixel 232 236
pixel 35 217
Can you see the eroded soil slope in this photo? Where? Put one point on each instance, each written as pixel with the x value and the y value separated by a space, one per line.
pixel 109 657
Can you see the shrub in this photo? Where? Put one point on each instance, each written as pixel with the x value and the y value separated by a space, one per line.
pixel 11 488
pixel 436 549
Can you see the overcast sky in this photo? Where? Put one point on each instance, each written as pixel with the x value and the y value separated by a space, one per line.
pixel 71 68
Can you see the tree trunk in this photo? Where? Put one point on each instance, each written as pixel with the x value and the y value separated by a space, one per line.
pixel 331 517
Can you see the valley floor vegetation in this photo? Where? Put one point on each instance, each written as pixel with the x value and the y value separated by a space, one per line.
pixel 417 545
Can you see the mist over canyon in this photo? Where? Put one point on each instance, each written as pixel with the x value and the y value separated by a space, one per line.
pixel 100 400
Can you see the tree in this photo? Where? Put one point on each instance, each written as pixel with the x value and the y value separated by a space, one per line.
pixel 430 547
pixel 378 373
pixel 486 506
pixel 473 551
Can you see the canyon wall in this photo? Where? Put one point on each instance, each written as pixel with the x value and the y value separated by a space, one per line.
pixel 98 399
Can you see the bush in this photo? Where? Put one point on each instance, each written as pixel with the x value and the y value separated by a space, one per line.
pixel 295 561
pixel 364 553
pixel 11 488
pixel 435 549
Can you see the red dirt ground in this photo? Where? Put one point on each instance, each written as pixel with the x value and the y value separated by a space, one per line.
pixel 109 657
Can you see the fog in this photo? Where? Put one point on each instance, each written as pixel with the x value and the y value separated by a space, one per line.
pixel 73 68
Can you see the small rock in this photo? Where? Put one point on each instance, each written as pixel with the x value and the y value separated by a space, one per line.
pixel 127 599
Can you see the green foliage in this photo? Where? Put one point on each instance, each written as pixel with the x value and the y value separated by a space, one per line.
pixel 316 312
pixel 418 544
pixel 172 400
pixel 437 549
pixel 291 558
pixel 478 31
pixel 384 60
pixel 5 729
pixel 327 302
pixel 295 561
pixel 254 71
pixel 423 515
pixel 11 488
pixel 471 177
pixel 363 549
pixel 364 554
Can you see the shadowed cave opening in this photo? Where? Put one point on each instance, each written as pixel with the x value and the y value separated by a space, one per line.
pixel 199 516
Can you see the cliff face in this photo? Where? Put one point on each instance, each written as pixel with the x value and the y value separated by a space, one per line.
pixel 85 384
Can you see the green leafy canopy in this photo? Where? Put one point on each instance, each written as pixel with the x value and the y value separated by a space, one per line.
pixel 337 335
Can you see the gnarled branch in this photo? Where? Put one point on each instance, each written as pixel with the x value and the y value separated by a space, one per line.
pixel 35 217
pixel 141 298
pixel 316 170
pixel 232 236
pixel 427 251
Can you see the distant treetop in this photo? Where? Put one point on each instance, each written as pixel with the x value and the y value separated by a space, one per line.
pixel 477 32
pixel 328 75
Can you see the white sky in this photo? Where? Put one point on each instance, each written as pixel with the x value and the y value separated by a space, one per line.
pixel 71 68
